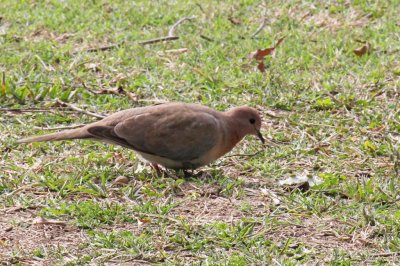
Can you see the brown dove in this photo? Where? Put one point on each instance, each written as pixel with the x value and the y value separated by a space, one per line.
pixel 174 135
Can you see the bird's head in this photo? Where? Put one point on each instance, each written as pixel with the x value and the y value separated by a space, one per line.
pixel 247 121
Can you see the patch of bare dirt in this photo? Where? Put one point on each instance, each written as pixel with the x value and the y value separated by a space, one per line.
pixel 44 34
pixel 20 237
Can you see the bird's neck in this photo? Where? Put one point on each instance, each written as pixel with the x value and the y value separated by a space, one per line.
pixel 233 134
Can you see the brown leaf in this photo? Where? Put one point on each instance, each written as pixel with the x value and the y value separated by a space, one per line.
pixel 235 21
pixel 362 50
pixel 3 84
pixel 261 66
pixel 93 66
pixel 260 54
pixel 121 180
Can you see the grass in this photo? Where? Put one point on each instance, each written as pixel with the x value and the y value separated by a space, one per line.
pixel 328 113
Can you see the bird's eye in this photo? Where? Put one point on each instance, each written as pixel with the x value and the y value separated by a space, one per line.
pixel 252 120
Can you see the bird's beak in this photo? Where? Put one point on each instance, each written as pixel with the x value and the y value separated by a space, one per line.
pixel 260 136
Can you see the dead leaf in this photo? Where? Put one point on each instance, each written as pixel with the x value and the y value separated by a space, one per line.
pixel 269 193
pixel 362 50
pixel 142 221
pixel 261 66
pixel 118 156
pixel 235 21
pixel 3 84
pixel 260 54
pixel 42 220
pixel 121 180
pixel 299 179
pixel 301 182
pixel 93 66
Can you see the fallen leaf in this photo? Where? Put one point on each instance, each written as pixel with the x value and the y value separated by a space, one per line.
pixel 299 179
pixel 93 66
pixel 275 199
pixel 121 180
pixel 42 220
pixel 301 182
pixel 261 66
pixel 3 84
pixel 142 221
pixel 235 21
pixel 260 54
pixel 362 50
pixel 118 156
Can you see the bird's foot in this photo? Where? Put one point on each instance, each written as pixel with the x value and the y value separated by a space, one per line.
pixel 156 167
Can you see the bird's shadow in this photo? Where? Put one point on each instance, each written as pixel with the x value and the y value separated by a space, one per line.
pixel 189 175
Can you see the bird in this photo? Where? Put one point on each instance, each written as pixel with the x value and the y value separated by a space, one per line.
pixel 179 136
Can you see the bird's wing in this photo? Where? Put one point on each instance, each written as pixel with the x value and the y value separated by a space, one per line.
pixel 180 134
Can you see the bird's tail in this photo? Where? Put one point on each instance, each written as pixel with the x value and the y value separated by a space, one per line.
pixel 78 133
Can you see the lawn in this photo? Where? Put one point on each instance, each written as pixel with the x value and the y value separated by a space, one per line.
pixel 323 191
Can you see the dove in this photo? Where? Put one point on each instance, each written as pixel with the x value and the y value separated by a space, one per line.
pixel 174 135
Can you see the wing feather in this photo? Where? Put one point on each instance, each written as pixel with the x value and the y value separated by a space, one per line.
pixel 181 136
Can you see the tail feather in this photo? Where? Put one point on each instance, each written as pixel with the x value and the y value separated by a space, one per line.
pixel 79 133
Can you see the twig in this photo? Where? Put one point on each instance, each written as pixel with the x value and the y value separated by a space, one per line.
pixel 175 51
pixel 171 31
pixel 171 36
pixel 25 110
pixel 260 28
pixel 161 39
pixel 206 38
pixel 73 107
pixel 151 41
pixel 104 48
pixel 385 254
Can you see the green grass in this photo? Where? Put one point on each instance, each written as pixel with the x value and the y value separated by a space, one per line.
pixel 327 112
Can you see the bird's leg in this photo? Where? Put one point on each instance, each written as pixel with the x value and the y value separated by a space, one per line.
pixel 156 168
pixel 187 173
